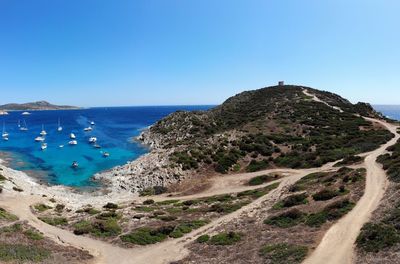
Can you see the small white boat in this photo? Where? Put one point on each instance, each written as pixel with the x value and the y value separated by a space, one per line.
pixel 43 146
pixel 72 136
pixel 61 146
pixel 43 132
pixel 19 123
pixel 87 129
pixel 92 123
pixel 96 146
pixel 73 142
pixel 5 138
pixel 4 134
pixel 106 154
pixel 92 140
pixel 39 139
pixel 75 164
pixel 59 128
pixel 25 113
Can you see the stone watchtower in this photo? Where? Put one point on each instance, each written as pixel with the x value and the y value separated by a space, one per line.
pixel 281 83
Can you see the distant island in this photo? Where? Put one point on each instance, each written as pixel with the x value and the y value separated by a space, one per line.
pixel 39 105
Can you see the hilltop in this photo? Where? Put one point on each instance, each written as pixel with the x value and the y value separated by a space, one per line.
pixel 39 105
pixel 272 127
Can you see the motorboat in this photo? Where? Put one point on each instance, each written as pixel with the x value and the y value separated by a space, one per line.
pixel 75 164
pixel 92 140
pixel 72 136
pixel 87 129
pixel 106 154
pixel 43 146
pixel 96 146
pixel 43 132
pixel 61 146
pixel 25 113
pixel 92 123
pixel 73 142
pixel 39 139
pixel 5 138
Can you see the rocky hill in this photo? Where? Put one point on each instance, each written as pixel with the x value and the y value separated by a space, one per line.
pixel 39 105
pixel 279 126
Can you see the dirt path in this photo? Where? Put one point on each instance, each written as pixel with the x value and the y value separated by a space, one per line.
pixel 337 245
pixel 316 99
pixel 106 253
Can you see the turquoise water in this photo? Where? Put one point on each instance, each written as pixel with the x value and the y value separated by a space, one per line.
pixel 114 129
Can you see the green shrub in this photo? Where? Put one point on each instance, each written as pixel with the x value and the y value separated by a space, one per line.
pixel 82 227
pixel 148 202
pixel 33 235
pixel 203 239
pixel 187 227
pixel 224 239
pixel 258 180
pixel 54 221
pixel 375 237
pixel 325 194
pixel 284 253
pixel 292 200
pixel 145 236
pixel 257 165
pixel 7 216
pixel 287 219
pixel 42 207
pixel 111 206
pixel 23 253
pixel 105 228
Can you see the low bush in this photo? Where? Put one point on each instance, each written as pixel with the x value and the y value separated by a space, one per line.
pixel 375 237
pixel 284 253
pixel 287 219
pixel 292 200
pixel 258 180
pixel 54 221
pixel 146 236
pixel 111 206
pixel 224 239
pixel 23 253
pixel 33 235
pixel 203 239
pixel 7 216
pixel 325 194
pixel 42 207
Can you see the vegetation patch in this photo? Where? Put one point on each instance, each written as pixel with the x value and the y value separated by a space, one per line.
pixel 287 219
pixel 284 253
pixel 54 221
pixel 375 237
pixel 292 200
pixel 349 160
pixel 23 253
pixel 33 235
pixel 225 238
pixel 42 207
pixel 203 239
pixel 146 236
pixel 7 216
pixel 258 180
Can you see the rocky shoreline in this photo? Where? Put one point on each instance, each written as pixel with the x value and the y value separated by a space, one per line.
pixel 149 170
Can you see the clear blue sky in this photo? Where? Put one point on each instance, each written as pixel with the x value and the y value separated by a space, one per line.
pixel 145 52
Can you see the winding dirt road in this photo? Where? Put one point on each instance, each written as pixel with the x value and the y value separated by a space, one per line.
pixel 337 245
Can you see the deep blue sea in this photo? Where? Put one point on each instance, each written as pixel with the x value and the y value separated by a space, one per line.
pixel 391 111
pixel 114 128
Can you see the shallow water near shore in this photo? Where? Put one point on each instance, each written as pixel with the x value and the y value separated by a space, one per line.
pixel 114 129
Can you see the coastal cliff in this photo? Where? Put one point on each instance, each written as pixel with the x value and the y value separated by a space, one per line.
pixel 279 126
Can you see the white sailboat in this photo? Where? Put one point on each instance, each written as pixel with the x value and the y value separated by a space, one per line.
pixel 43 132
pixel 24 127
pixel 87 129
pixel 72 136
pixel 4 134
pixel 92 123
pixel 59 128
pixel 43 146
pixel 92 140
